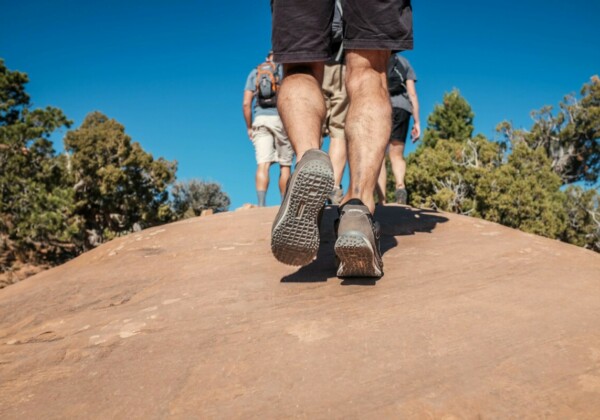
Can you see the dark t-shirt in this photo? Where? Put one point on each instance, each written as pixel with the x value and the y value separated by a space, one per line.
pixel 400 67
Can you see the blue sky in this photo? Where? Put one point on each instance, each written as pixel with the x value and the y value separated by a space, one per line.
pixel 173 72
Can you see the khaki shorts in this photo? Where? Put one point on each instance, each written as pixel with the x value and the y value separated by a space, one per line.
pixel 270 140
pixel 336 100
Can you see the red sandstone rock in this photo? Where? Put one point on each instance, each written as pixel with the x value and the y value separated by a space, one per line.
pixel 246 206
pixel 197 320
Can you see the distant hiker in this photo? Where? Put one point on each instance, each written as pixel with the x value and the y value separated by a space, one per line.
pixel 403 94
pixel 302 41
pixel 336 102
pixel 265 129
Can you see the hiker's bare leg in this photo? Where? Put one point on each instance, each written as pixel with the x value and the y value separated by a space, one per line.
pixel 398 162
pixel 381 182
pixel 262 176
pixel 301 105
pixel 284 175
pixel 337 153
pixel 368 122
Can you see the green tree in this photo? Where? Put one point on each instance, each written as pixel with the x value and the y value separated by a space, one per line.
pixel 570 138
pixel 37 224
pixel 445 176
pixel 190 198
pixel 446 167
pixel 583 215
pixel 118 186
pixel 467 174
pixel 453 119
pixel 523 193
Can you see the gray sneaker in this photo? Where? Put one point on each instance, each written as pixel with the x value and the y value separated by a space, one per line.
pixel 401 196
pixel 295 232
pixel 357 244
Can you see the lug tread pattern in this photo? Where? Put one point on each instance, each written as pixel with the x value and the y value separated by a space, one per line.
pixel 356 255
pixel 295 236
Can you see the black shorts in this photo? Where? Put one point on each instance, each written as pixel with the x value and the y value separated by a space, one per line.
pixel 400 120
pixel 302 28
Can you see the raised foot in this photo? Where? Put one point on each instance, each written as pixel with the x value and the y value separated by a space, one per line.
pixel 295 233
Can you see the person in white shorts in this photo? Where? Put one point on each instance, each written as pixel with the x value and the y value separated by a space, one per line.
pixel 265 128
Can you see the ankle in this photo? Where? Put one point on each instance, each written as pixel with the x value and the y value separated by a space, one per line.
pixel 301 151
pixel 262 196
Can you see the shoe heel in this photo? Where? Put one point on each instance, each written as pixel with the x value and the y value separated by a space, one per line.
pixel 356 256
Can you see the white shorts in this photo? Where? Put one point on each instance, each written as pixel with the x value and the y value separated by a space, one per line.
pixel 270 140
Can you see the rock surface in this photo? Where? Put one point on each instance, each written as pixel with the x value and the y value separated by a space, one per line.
pixel 197 320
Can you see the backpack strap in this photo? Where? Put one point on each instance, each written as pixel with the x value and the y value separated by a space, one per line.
pixel 338 8
pixel 396 70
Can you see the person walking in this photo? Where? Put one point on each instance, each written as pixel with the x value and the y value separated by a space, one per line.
pixel 301 41
pixel 336 102
pixel 403 95
pixel 264 126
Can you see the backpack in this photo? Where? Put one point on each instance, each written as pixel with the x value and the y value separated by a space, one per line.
pixel 267 84
pixel 396 82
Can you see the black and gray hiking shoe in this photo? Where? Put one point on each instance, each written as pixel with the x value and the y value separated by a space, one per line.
pixel 357 244
pixel 295 233
pixel 401 196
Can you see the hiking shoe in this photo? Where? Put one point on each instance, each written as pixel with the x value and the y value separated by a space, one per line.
pixel 357 244
pixel 401 196
pixel 295 232
pixel 336 196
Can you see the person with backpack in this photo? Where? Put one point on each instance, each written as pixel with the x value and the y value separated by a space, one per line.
pixel 336 102
pixel 264 127
pixel 403 95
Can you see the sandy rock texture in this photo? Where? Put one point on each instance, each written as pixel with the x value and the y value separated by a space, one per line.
pixel 197 320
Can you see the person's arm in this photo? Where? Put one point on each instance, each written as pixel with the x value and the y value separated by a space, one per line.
pixel 247 108
pixel 414 100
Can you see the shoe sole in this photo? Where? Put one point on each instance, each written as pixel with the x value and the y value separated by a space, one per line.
pixel 295 237
pixel 356 256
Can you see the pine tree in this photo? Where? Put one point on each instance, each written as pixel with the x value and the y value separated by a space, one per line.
pixel 523 193
pixel 457 172
pixel 118 186
pixel 37 224
pixel 445 168
pixel 570 138
pixel 583 216
pixel 453 119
